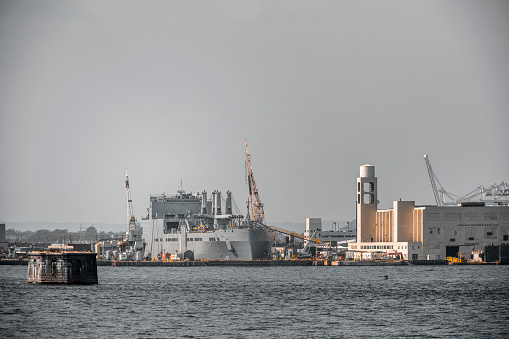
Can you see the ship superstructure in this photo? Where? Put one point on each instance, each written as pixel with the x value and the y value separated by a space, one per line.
pixel 193 226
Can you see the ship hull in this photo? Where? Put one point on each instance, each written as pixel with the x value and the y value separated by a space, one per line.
pixel 246 243
pixel 239 244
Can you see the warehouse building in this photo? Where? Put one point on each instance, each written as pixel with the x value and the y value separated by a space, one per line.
pixel 424 232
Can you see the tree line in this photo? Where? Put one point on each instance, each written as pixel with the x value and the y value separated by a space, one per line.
pixel 59 236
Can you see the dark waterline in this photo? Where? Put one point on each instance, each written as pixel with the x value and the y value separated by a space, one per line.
pixel 261 302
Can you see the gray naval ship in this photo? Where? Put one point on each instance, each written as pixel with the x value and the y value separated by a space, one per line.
pixel 190 226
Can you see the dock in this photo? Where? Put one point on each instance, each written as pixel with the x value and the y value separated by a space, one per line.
pixel 280 263
pixel 188 263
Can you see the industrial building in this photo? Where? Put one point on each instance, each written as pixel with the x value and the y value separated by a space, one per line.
pixel 330 242
pixel 415 232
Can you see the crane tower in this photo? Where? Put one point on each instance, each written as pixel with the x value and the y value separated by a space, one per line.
pixel 256 205
pixel 131 220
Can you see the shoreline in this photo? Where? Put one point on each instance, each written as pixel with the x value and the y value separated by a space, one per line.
pixel 259 263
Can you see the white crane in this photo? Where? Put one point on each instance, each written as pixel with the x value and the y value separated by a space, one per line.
pixel 432 179
pixel 131 220
pixel 132 244
pixel 496 194
pixel 438 193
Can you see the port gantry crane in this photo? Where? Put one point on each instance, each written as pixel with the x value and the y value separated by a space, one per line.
pixel 439 194
pixel 496 194
pixel 256 205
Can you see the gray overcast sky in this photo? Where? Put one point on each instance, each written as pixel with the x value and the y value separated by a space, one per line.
pixel 169 89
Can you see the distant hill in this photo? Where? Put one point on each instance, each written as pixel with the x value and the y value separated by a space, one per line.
pixel 70 226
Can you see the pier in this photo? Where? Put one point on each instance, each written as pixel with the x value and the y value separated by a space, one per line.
pixel 188 263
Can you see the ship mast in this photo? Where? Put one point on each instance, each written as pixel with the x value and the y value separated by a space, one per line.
pixel 257 214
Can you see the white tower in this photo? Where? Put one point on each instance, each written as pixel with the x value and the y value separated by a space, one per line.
pixel 366 204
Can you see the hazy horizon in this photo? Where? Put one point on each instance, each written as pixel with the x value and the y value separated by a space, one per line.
pixel 169 90
pixel 22 226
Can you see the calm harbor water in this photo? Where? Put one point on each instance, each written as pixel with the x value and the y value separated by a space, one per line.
pixel 261 302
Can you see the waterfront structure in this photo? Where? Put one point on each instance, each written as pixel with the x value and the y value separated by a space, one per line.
pixel 4 245
pixel 424 232
pixel 51 267
pixel 190 226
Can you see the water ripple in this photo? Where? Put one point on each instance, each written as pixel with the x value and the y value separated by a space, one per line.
pixel 261 302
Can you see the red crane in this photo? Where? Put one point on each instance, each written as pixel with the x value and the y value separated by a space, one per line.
pixel 256 205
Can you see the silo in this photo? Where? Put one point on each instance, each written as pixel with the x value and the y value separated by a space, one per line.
pixel 366 204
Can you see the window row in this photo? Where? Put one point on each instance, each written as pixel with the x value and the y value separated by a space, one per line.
pixel 468 216
pixel 188 239
pixel 376 247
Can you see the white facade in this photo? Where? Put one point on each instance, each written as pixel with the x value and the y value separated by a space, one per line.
pixel 367 201
pixel 313 224
pixel 405 250
pixel 426 232
pixel 448 230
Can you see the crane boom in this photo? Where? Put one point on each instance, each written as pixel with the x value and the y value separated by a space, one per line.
pixel 131 220
pixel 432 179
pixel 496 194
pixel 256 206
pixel 293 234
